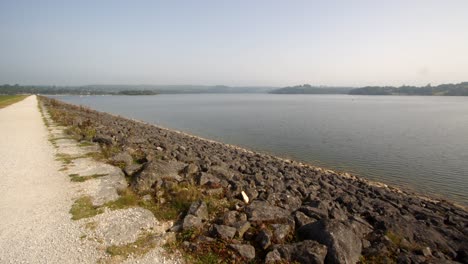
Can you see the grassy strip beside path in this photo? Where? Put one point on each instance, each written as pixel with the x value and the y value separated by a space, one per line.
pixel 6 100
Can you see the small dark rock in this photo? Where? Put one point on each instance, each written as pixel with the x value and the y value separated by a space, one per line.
pixel 132 169
pixel 122 157
pixel 241 228
pixel 224 232
pixel 264 238
pixel 190 169
pixel 273 257
pixel 191 222
pixel 105 140
pixel 207 178
pixel 245 251
pixel 280 232
pixel 199 209
pixel 301 219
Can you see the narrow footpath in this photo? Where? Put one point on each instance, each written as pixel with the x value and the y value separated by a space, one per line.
pixel 37 190
pixel 35 225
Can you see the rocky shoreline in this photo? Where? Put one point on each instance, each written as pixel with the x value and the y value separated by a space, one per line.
pixel 240 205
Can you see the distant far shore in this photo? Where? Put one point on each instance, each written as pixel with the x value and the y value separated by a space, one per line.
pixel 460 89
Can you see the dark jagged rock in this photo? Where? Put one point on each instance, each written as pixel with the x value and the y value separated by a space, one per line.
pixel 264 238
pixel 132 169
pixel 199 209
pixel 102 139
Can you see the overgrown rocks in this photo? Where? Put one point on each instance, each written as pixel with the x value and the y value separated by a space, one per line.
pixel 156 171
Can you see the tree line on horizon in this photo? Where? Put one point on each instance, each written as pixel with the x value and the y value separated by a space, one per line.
pixel 460 89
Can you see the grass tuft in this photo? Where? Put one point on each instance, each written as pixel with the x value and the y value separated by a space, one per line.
pixel 84 208
pixel 141 246
pixel 78 178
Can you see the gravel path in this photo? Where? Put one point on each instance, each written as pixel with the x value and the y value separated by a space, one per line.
pixel 35 226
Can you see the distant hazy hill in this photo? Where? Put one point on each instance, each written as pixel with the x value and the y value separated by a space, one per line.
pixel 131 89
pixel 308 89
pixel 460 89
pixel 180 89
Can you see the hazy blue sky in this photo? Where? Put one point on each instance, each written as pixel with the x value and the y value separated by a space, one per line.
pixel 234 42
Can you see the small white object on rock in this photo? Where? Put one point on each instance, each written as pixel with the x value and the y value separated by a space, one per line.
pixel 245 197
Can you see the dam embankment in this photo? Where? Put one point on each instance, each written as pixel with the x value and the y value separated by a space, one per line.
pixel 235 202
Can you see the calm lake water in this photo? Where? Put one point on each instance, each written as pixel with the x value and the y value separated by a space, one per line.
pixel 419 143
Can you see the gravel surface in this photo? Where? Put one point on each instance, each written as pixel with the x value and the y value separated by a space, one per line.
pixel 35 226
pixel 35 198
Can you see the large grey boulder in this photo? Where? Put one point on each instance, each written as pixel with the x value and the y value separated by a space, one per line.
pixel 264 212
pixel 343 238
pixel 156 170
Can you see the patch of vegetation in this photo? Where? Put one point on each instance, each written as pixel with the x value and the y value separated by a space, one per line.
pixel 376 259
pixel 85 144
pixel 67 158
pixel 110 151
pixel 213 252
pixel 91 225
pixel 141 246
pixel 400 241
pixel 6 100
pixel 78 178
pixel 181 196
pixel 84 208
pixel 127 199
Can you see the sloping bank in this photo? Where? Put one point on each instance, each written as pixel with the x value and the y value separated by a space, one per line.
pixel 232 203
